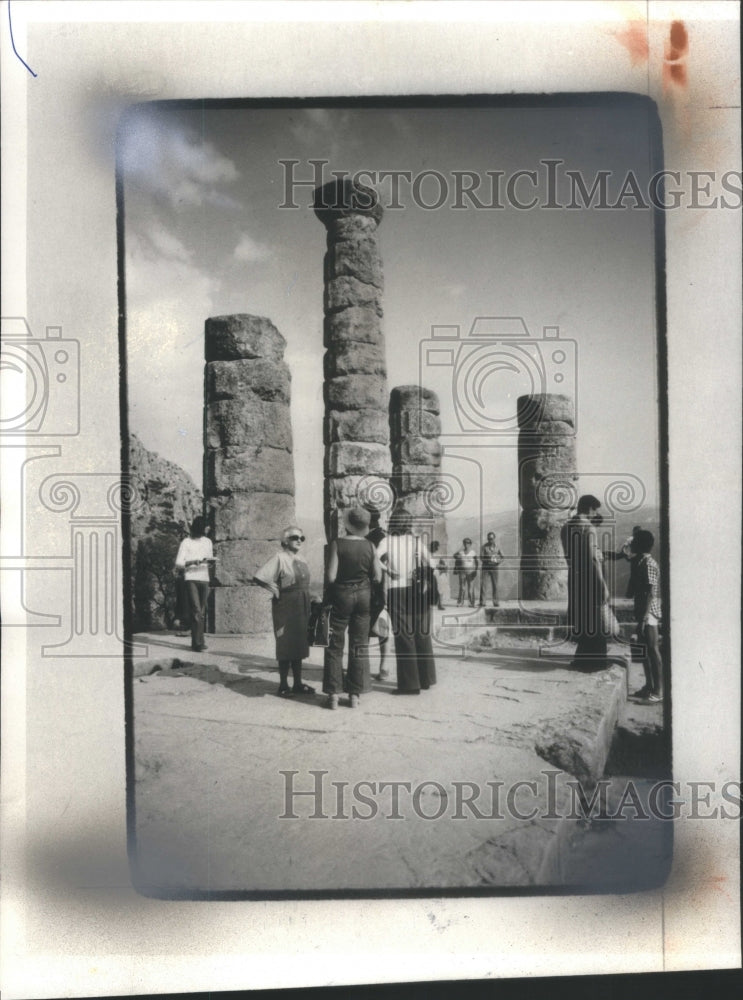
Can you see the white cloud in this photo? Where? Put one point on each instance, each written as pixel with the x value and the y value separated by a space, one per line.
pixel 251 250
pixel 165 243
pixel 163 157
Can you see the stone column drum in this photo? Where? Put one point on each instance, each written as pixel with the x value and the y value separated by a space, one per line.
pixel 547 491
pixel 249 472
pixel 415 427
pixel 356 429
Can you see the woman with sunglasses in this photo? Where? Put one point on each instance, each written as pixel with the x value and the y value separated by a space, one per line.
pixel 287 576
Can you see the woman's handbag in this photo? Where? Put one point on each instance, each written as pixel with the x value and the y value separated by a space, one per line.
pixel 318 627
pixel 381 626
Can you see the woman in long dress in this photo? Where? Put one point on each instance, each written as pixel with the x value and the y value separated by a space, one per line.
pixel 287 576
pixel 400 554
pixel 588 593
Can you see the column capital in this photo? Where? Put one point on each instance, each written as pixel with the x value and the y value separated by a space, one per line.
pixel 344 197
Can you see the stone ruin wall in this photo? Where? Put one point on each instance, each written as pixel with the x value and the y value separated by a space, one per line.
pixel 547 490
pixel 415 427
pixel 249 470
pixel 355 390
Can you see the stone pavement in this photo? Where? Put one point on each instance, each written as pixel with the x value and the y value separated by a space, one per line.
pixel 484 762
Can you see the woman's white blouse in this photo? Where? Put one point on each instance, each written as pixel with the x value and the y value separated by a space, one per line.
pixel 400 561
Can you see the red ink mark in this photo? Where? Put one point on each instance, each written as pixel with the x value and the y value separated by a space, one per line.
pixel 676 51
pixel 679 38
pixel 635 39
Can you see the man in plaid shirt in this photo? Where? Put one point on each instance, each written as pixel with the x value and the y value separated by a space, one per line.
pixel 646 579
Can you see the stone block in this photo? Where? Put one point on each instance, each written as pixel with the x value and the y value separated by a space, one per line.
pixel 242 610
pixel 548 479
pixel 416 479
pixel 268 380
pixel 532 410
pixel 257 516
pixel 267 470
pixel 356 425
pixel 350 458
pixel 345 491
pixel 547 429
pixel 239 559
pixel 543 584
pixel 355 359
pixel 346 292
pixel 356 392
pixel 542 524
pixel 357 258
pixel 417 451
pixel 413 397
pixel 351 227
pixel 421 423
pixel 358 325
pixel 248 421
pixel 227 338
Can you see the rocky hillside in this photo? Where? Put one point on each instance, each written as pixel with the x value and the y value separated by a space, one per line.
pixel 167 500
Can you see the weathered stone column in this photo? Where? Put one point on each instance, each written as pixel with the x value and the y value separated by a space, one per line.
pixel 249 472
pixel 415 427
pixel 356 430
pixel 547 491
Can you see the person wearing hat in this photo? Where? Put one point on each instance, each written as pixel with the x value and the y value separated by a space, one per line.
pixel 287 576
pixel 353 564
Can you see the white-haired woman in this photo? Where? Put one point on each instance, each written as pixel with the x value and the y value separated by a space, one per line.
pixel 287 576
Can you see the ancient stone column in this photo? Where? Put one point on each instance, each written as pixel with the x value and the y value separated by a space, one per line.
pixel 249 472
pixel 356 429
pixel 415 427
pixel 547 491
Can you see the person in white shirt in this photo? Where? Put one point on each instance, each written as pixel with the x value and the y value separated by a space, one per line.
pixel 400 553
pixel 194 557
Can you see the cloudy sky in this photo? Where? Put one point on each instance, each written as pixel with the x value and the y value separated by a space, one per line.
pixel 205 235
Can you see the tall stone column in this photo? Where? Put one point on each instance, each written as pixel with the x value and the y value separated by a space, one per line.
pixel 249 472
pixel 415 427
pixel 547 491
pixel 356 429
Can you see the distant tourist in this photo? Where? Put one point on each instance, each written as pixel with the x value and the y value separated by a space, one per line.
pixel 353 565
pixel 195 556
pixel 400 553
pixel 378 600
pixel 490 558
pixel 465 567
pixel 648 614
pixel 287 576
pixel 587 589
pixel 441 573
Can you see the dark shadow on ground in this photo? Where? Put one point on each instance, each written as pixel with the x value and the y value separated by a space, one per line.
pixel 244 683
pixel 642 754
